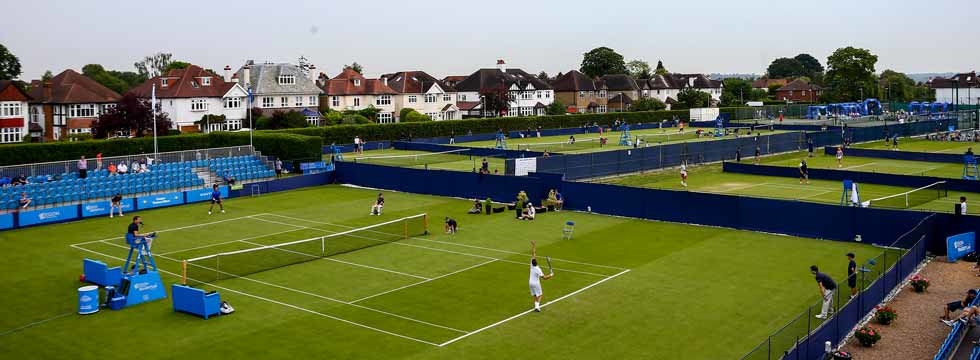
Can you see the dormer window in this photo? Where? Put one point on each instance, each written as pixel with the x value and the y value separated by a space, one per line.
pixel 206 81
pixel 357 82
pixel 194 84
pixel 287 79
pixel 163 82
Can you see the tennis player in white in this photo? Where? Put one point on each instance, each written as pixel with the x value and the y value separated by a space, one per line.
pixel 536 276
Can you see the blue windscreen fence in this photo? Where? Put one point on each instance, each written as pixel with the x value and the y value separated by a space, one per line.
pixel 910 181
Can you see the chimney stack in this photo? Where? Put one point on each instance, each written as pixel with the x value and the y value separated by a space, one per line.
pixel 501 65
pixel 47 90
pixel 384 79
pixel 246 74
pixel 227 73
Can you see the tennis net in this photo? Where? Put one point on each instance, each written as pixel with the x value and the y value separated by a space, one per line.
pixel 667 136
pixel 234 264
pixel 579 144
pixel 912 198
pixel 416 159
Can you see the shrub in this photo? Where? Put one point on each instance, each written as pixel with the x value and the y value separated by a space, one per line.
pixel 885 314
pixel 919 283
pixel 868 335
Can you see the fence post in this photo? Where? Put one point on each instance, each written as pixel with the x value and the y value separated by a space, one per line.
pixel 769 345
pixel 809 315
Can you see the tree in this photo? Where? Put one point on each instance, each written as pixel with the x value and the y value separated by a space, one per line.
pixel 850 74
pixel 130 78
pixel 691 98
pixel 896 86
pixel 97 72
pixel 153 65
pixel 785 68
pixel 556 108
pixel 282 120
pixel 737 91
pixel 543 76
pixel 496 100
pixel 356 67
pixel 132 114
pixel 602 61
pixel 811 66
pixel 638 69
pixel 176 65
pixel 647 104
pixel 47 76
pixel 9 64
pixel 558 75
pixel 661 70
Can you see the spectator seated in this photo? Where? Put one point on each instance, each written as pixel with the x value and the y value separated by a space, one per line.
pixel 195 301
pixel 477 207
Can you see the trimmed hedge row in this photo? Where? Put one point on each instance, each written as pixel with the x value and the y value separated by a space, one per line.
pixel 284 146
pixel 344 134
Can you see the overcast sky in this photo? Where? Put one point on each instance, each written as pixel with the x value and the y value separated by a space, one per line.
pixel 458 37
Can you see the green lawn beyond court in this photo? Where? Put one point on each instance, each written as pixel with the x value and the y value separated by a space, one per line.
pixel 424 160
pixel 923 145
pixel 875 165
pixel 623 288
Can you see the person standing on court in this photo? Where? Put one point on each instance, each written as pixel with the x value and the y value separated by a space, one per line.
pixel 82 168
pixel 826 286
pixel 809 147
pixel 278 168
pixel 852 274
pixel 961 207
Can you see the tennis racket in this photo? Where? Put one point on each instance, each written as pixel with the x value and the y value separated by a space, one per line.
pixel 550 269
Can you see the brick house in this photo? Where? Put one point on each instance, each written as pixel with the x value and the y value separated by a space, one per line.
pixel 579 93
pixel 68 104
pixel 799 91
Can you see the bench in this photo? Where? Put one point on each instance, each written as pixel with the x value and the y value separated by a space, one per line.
pixel 195 301
pixel 99 273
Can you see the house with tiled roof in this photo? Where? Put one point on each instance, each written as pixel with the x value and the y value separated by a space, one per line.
pixel 14 126
pixel 452 80
pixel 528 94
pixel 281 87
pixel 579 93
pixel 423 93
pixel 68 103
pixel 666 87
pixel 798 90
pixel 961 88
pixel 197 100
pixel 620 87
pixel 764 84
pixel 350 90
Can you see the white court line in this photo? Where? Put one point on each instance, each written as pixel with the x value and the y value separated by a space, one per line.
pixel 857 166
pixel 423 282
pixel 401 243
pixel 315 295
pixel 345 262
pixel 39 322
pixel 814 195
pixel 455 244
pixel 228 242
pixel 177 228
pixel 530 310
pixel 742 187
pixel 285 304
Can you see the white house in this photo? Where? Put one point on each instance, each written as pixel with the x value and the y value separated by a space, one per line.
pixel 349 90
pixel 68 103
pixel 281 87
pixel 423 93
pixel 528 94
pixel 961 88
pixel 13 113
pixel 664 87
pixel 196 99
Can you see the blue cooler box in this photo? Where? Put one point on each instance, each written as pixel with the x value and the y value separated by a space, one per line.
pixel 88 299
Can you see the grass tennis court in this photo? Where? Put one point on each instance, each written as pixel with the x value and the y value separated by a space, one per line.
pixel 923 145
pixel 586 143
pixel 423 160
pixel 624 288
pixel 864 164
pixel 711 179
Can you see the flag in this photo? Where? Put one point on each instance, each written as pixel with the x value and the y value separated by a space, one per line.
pixel 251 96
pixel 153 98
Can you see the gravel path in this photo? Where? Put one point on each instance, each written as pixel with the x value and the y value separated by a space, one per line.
pixel 918 333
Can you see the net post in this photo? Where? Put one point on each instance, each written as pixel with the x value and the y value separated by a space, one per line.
pixel 425 223
pixel 405 226
pixel 183 272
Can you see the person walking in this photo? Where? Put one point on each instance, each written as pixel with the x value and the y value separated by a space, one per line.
pixel 826 285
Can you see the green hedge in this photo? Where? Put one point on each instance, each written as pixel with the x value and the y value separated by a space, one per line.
pixel 285 146
pixel 344 134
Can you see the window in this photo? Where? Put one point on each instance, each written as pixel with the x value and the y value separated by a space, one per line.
pixel 601 109
pixel 526 111
pixel 449 115
pixel 81 110
pixel 313 120
pixel 462 97
pixel 80 131
pixel 233 103
pixel 206 81
pixel 412 99
pixel 357 101
pixel 581 94
pixel 385 118
pixel 591 94
pixel 357 82
pixel 383 100
pixel 107 107
pixel 194 84
pixel 283 101
pixel 447 97
pixel 163 82
pixel 313 101
pixel 335 101
pixel 10 109
pixel 268 102
pixel 10 135
pixel 602 93
pixel 199 104
pixel 430 98
pixel 433 116
pixel 547 94
pixel 299 101
pixel 233 124
pixel 527 95
pixel 287 79
pixel 539 94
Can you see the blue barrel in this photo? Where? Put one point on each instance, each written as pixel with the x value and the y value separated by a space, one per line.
pixel 88 299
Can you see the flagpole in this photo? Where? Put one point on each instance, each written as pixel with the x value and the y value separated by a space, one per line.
pixel 153 109
pixel 250 126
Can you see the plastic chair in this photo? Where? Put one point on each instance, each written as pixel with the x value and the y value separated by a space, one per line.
pixel 567 230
